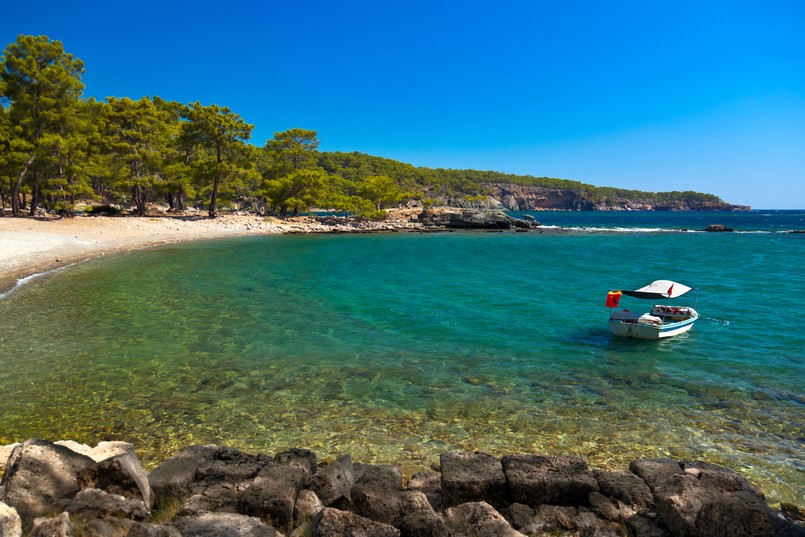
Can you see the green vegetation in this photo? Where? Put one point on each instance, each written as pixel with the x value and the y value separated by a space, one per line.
pixel 57 149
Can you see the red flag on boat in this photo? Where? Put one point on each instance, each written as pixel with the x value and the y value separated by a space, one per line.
pixel 613 298
pixel 670 289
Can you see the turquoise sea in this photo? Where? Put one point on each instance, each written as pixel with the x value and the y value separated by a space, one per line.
pixel 396 347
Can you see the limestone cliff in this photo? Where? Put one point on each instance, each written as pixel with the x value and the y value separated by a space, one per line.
pixel 530 198
pixel 511 197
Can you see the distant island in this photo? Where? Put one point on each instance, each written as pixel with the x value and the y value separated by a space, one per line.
pixel 61 153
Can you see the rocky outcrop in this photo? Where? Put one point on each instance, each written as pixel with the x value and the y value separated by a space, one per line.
pixel 454 218
pixel 220 491
pixel 38 475
pixel 512 197
pixel 718 228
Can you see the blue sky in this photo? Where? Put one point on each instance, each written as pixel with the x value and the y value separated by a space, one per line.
pixel 706 96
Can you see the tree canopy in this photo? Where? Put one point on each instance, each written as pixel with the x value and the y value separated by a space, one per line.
pixel 58 148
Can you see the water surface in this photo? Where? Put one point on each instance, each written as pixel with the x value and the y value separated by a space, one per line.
pixel 397 347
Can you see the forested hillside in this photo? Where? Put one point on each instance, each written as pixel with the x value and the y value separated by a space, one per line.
pixel 59 149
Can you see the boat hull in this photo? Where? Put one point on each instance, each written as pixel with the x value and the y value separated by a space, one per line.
pixel 650 331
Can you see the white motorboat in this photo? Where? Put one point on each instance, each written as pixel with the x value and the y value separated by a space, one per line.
pixel 661 321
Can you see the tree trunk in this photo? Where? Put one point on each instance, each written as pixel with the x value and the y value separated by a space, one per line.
pixel 214 196
pixel 15 189
pixel 35 194
pixel 140 199
pixel 169 199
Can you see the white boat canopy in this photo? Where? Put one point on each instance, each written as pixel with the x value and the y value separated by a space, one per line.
pixel 659 289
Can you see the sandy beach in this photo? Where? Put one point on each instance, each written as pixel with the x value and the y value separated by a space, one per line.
pixel 32 245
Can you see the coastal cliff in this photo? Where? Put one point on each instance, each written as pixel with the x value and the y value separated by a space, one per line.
pixel 513 197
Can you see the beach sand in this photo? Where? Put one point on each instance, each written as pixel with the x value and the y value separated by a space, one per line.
pixel 30 245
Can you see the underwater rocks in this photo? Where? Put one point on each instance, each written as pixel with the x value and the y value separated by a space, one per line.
pixel 48 489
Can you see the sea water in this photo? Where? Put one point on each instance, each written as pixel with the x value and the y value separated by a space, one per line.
pixel 397 347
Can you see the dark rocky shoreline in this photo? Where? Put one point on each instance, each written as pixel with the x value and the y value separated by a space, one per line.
pixel 49 489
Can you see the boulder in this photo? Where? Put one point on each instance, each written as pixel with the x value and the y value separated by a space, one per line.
pixel 115 527
pixel 624 486
pixel 38 475
pixel 94 503
pixel 273 493
pixel 706 500
pixel 655 472
pixel 387 506
pixel 303 458
pixel 174 477
pixel 5 453
pixel 542 479
pixel 103 451
pixel 121 474
pixel 468 477
pixel 478 518
pixel 58 526
pixel 307 506
pixel 332 522
pixel 223 525
pixel 430 484
pixel 605 507
pixel 555 518
pixel 645 526
pixel 10 521
pixel 303 530
pixel 521 517
pixel 229 465
pixel 221 497
pixel 589 523
pixel 333 483
pixel 424 524
pixel 378 476
pixel 216 472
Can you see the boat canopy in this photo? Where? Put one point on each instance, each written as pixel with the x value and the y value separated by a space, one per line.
pixel 659 289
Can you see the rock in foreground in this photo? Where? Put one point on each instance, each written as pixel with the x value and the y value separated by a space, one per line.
pixel 211 490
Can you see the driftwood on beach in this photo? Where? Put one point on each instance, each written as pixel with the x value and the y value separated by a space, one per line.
pixel 51 489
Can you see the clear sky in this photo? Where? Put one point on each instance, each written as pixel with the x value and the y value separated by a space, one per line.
pixel 684 95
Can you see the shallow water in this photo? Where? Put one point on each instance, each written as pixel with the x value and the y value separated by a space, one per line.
pixel 397 347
